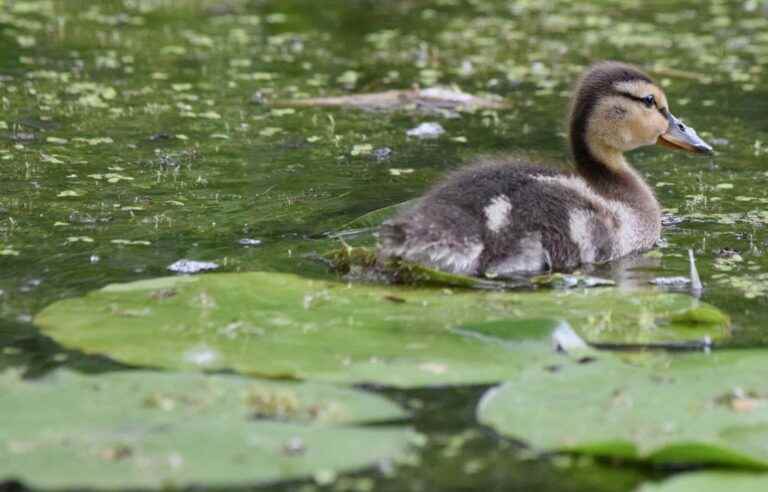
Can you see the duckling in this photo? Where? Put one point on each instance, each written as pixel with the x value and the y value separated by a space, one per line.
pixel 511 218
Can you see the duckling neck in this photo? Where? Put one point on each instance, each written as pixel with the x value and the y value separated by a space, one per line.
pixel 611 176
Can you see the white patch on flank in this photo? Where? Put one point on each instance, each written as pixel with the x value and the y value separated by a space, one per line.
pixel 497 213
pixel 629 230
pixel 425 243
pixel 455 260
pixel 580 224
pixel 531 258
pixel 445 253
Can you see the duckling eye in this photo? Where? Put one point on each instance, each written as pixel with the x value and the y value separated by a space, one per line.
pixel 649 101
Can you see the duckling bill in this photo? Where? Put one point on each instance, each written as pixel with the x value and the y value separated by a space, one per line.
pixel 506 218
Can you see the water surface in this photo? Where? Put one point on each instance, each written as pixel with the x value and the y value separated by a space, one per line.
pixel 138 132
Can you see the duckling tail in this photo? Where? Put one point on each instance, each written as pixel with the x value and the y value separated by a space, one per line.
pixel 440 243
pixel 392 238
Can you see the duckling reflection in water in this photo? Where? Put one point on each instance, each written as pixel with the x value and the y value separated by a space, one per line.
pixel 512 218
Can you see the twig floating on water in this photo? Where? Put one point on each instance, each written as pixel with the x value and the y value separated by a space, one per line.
pixel 696 287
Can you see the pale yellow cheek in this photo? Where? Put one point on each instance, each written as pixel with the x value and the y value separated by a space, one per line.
pixel 641 133
pixel 653 129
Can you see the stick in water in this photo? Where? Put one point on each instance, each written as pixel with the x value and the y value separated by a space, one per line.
pixel 696 286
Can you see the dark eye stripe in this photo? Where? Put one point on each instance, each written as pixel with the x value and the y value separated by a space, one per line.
pixel 633 97
pixel 641 100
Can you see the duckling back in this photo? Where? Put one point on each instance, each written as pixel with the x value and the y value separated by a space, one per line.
pixel 503 219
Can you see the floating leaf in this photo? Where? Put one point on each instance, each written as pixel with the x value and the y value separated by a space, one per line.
pixel 50 158
pixel 270 131
pixel 282 112
pixel 711 481
pixel 211 115
pixel 8 251
pixel 128 242
pixel 396 171
pixel 140 430
pixel 361 149
pixel 79 239
pixel 694 409
pixel 285 326
pixel 181 87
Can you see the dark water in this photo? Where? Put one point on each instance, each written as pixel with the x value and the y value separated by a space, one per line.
pixel 136 135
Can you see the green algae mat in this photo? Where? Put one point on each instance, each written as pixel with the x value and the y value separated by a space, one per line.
pixel 151 430
pixel 284 326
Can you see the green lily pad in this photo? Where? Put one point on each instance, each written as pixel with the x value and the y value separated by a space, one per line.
pixel 711 481
pixel 141 429
pixel 692 409
pixel 511 331
pixel 281 325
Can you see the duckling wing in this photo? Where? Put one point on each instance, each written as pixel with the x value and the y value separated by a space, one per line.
pixel 500 220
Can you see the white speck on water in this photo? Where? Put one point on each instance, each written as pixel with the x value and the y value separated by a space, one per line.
pixel 670 281
pixel 399 172
pixel 175 460
pixel 295 445
pixel 246 241
pixel 382 153
pixel 201 356
pixel 564 339
pixel 192 266
pixel 426 130
pixel 95 259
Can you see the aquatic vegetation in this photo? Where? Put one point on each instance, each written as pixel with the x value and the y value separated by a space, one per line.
pixel 142 429
pixel 136 133
pixel 710 482
pixel 284 326
pixel 696 409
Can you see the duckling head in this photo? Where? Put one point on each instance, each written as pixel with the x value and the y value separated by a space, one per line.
pixel 617 108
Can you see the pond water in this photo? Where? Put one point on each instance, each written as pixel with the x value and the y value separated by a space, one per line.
pixel 138 132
